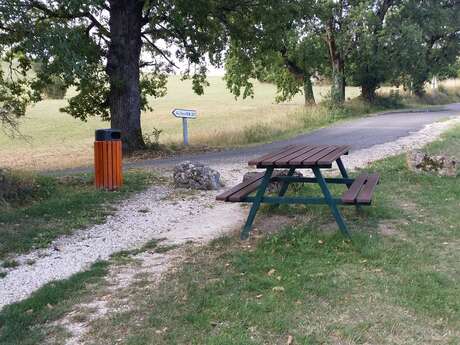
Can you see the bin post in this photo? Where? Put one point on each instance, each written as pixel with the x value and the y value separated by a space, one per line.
pixel 108 172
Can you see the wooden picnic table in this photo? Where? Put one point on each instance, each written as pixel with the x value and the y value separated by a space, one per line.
pixel 315 157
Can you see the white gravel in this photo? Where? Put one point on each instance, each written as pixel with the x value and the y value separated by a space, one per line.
pixel 162 212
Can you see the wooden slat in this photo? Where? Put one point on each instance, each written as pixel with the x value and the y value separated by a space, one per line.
pixel 298 160
pixel 285 160
pixel 243 189
pixel 104 164
pixel 121 162
pixel 350 195
pixel 97 164
pixel 242 193
pixel 334 155
pixel 313 160
pixel 271 160
pixel 365 195
pixel 257 160
pixel 116 165
pixel 224 196
pixel 109 166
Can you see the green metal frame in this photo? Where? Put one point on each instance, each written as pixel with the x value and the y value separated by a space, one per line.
pixel 328 199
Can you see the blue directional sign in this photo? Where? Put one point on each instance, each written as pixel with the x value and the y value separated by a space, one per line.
pixel 184 113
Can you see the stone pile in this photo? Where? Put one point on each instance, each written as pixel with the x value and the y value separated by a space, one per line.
pixel 196 176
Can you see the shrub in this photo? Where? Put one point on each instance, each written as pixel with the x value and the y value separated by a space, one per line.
pixel 393 100
pixel 152 139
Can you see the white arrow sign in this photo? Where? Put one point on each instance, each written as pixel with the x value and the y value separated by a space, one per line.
pixel 184 113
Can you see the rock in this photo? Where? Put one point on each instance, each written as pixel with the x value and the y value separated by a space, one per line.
pixel 441 164
pixel 196 176
pixel 273 187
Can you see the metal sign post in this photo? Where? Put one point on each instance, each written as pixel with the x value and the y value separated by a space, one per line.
pixel 185 130
pixel 185 114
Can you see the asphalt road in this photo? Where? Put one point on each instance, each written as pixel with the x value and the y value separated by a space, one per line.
pixel 359 133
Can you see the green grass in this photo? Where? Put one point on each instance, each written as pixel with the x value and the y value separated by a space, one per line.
pixel 58 208
pixel 397 282
pixel 24 323
pixel 53 140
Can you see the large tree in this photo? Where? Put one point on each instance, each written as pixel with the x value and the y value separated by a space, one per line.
pixel 424 41
pixel 115 53
pixel 280 47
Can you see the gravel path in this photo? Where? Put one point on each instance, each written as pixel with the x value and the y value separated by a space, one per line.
pixel 164 213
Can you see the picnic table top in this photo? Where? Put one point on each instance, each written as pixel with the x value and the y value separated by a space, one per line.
pixel 301 156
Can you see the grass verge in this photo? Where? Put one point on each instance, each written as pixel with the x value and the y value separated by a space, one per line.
pixel 57 206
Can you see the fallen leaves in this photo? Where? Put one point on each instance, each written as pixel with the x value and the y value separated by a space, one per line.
pixel 271 272
pixel 161 331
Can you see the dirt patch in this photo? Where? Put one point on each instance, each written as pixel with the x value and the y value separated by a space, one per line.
pixel 387 229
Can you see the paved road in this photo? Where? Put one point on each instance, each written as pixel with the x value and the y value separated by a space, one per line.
pixel 360 133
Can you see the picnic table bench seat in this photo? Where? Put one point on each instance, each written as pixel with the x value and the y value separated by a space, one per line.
pixel 361 190
pixel 243 189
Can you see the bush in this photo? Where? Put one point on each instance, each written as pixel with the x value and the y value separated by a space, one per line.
pixel 152 139
pixel 392 101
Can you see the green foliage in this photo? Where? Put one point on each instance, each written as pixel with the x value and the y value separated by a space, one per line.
pixel 425 42
pixel 284 52
pixel 152 139
pixel 363 43
pixel 73 43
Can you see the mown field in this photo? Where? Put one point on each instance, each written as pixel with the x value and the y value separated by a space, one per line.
pixel 51 139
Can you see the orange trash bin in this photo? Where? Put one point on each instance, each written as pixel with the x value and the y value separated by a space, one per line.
pixel 108 172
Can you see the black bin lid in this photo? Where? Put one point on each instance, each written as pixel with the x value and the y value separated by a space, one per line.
pixel 108 134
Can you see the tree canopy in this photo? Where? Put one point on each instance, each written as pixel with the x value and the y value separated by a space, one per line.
pixel 364 43
pixel 115 53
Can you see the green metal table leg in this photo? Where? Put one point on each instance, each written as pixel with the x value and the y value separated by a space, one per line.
pixel 256 203
pixel 329 200
pixel 342 169
pixel 344 173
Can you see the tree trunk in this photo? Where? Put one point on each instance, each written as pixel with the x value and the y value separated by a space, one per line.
pixel 308 90
pixel 338 66
pixel 418 85
pixel 338 82
pixel 123 71
pixel 368 92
